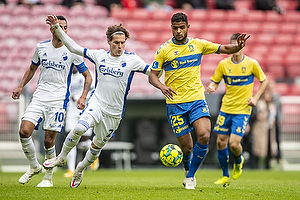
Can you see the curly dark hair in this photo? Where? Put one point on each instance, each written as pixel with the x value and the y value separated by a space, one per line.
pixel 179 17
pixel 116 28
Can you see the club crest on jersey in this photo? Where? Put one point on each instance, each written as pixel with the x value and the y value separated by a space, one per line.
pixel 123 63
pixel 65 56
pixel 191 48
pixel 243 69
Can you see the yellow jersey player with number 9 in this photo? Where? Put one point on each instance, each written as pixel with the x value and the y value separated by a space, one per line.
pixel 238 72
pixel 180 58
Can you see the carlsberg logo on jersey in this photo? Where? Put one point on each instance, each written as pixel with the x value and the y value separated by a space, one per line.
pixel 51 64
pixel 110 71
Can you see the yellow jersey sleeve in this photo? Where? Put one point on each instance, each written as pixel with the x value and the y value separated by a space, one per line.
pixel 181 64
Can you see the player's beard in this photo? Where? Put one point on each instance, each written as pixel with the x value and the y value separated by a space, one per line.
pixel 180 40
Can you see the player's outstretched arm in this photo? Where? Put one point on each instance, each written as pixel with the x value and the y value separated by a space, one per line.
pixel 154 80
pixel 233 48
pixel 68 42
pixel 26 78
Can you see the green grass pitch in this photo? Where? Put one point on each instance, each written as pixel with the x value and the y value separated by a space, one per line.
pixel 142 184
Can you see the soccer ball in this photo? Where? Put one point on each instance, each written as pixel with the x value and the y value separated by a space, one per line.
pixel 171 155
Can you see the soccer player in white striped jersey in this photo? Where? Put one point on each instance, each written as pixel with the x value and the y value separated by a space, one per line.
pixel 50 98
pixel 114 70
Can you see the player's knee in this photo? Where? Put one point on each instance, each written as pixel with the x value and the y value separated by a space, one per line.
pixel 234 145
pixel 187 150
pixel 204 138
pixel 80 129
pixel 24 134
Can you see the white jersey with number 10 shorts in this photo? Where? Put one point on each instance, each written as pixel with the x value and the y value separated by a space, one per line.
pixel 56 70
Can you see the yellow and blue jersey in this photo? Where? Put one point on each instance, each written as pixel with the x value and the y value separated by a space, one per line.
pixel 239 80
pixel 182 67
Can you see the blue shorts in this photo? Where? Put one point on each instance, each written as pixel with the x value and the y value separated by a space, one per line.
pixel 227 124
pixel 181 116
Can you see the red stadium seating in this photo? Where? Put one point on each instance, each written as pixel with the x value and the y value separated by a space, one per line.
pixel 235 16
pixel 217 15
pixel 148 37
pixel 282 88
pixel 252 27
pixel 295 89
pixel 120 13
pixel 159 25
pixel 270 27
pixel 135 25
pixel 292 16
pixel 256 16
pixel 198 15
pixel 233 27
pixel 140 14
pixel 285 39
pixel 274 41
pixel 289 27
pixel 160 15
pixel 266 38
pixel 273 17
pixel 293 71
pixel 276 70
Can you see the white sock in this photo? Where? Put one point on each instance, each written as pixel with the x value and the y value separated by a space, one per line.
pixel 90 156
pixel 49 153
pixel 85 145
pixel 71 159
pixel 29 151
pixel 70 142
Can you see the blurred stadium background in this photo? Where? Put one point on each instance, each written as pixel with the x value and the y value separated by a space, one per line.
pixel 274 42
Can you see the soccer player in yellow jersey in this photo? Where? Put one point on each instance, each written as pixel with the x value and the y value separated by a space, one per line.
pixel 238 72
pixel 180 58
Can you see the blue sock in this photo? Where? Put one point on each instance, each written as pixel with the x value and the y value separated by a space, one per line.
pixel 223 157
pixel 199 154
pixel 237 159
pixel 186 162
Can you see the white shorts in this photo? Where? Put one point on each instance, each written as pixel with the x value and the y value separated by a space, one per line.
pixel 54 118
pixel 104 125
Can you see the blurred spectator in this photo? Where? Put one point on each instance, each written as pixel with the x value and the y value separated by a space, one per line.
pixel 278 117
pixel 271 125
pixel 110 4
pixel 269 5
pixel 191 4
pixel 225 4
pixel 259 131
pixel 3 2
pixel 153 5
pixel 30 3
pixel 71 3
